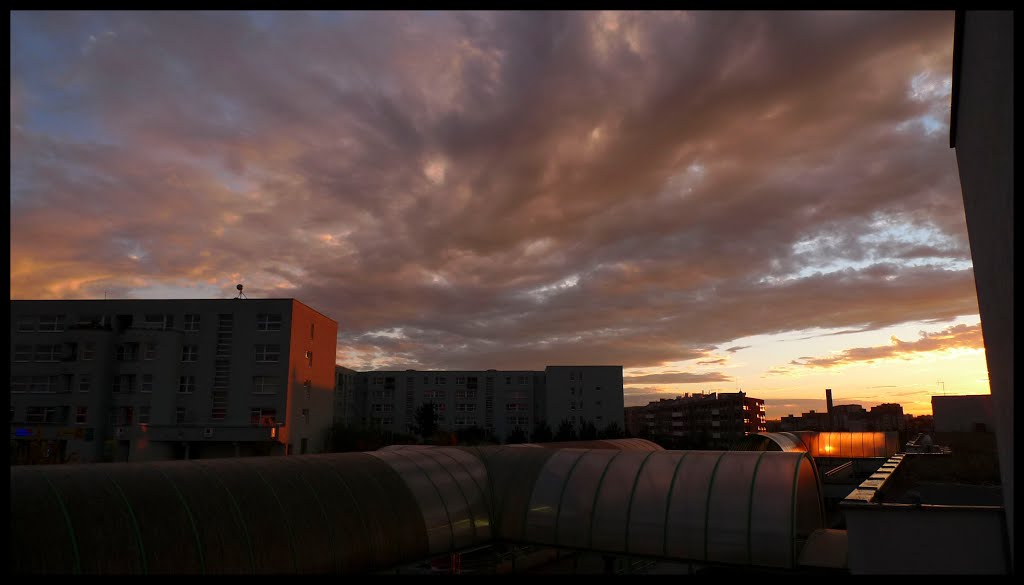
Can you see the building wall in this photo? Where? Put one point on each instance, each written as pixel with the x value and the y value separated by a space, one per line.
pixel 592 393
pixel 717 418
pixel 962 413
pixel 344 394
pixel 134 407
pixel 983 127
pixel 310 412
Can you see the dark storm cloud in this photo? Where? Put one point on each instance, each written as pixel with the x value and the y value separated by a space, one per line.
pixel 508 189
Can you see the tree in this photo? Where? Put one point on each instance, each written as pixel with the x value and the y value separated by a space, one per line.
pixel 566 431
pixel 426 420
pixel 611 431
pixel 542 433
pixel 588 431
pixel 517 435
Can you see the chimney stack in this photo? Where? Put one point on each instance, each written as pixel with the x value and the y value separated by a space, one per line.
pixel 828 403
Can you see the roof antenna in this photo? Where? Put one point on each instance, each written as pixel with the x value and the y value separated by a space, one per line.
pixel 241 295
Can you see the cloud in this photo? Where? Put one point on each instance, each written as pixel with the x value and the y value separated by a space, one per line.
pixel 955 337
pixel 717 361
pixel 677 378
pixel 511 189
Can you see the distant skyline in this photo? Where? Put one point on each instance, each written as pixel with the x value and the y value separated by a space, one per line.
pixel 764 201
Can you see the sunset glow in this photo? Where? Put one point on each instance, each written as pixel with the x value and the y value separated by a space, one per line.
pixel 715 201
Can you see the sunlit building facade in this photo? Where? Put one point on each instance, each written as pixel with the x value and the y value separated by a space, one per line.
pixel 128 380
pixel 715 418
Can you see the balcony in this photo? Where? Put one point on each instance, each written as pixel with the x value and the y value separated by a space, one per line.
pixel 196 432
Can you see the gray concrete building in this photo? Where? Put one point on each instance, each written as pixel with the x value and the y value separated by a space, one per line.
pixel 129 380
pixel 963 414
pixel 498 401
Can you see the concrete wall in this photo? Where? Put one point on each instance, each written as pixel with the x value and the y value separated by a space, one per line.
pixel 905 539
pixel 962 414
pixel 983 127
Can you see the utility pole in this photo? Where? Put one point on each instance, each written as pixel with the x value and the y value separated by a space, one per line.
pixel 943 384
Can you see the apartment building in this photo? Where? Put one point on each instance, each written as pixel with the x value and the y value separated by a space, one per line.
pixel 344 393
pixel 499 401
pixel 127 380
pixel 714 419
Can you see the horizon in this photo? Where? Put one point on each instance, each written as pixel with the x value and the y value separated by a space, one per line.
pixel 740 200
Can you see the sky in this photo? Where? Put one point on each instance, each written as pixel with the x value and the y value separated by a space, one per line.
pixel 728 201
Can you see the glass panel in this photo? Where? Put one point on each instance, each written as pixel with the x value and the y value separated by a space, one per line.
pixel 608 526
pixel 684 537
pixel 577 502
pixel 771 511
pixel 455 500
pixel 729 507
pixel 547 492
pixel 435 517
pixel 846 449
pixel 647 510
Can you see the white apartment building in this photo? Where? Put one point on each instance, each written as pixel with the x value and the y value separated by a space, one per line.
pixel 499 401
pixel 127 380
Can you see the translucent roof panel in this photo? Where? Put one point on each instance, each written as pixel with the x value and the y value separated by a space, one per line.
pixel 839 444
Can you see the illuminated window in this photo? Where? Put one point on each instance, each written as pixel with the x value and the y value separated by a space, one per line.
pixel 269 352
pixel 186 384
pixel 191 322
pixel 263 416
pixel 81 414
pixel 268 322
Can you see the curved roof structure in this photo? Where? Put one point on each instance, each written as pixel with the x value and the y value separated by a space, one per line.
pixel 356 512
pixel 842 445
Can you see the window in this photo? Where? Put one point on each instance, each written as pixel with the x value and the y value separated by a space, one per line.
pixel 466 394
pixel 43 385
pixel 48 353
pixel 312 328
pixel 147 383
pixel 127 352
pixel 186 384
pixel 387 420
pixel 84 382
pixel 22 353
pixel 508 379
pixel 378 380
pixel 597 388
pixel 460 380
pixel 149 351
pixel 384 407
pixel 51 323
pixel 191 322
pixel 88 351
pixel 309 358
pixel 384 395
pixel 438 407
pixel 434 394
pixel 599 417
pixel 265 384
pixel 263 416
pixel 465 407
pixel 189 353
pixel 268 322
pixel 81 414
pixel 426 379
pixel 524 380
pixel 439 380
pixel 143 415
pixel 597 403
pixel 124 383
pixel 305 416
pixel 20 384
pixel 41 414
pixel 572 376
pixel 465 421
pixel 269 352
pixel 517 419
pixel 26 324
pixel 516 406
pixel 572 391
pixel 307 386
pixel 179 415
